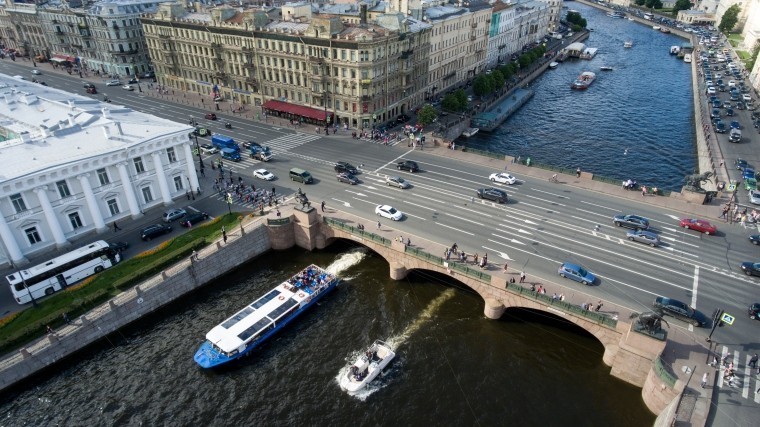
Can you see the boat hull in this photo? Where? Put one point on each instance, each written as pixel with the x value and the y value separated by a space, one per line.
pixel 349 382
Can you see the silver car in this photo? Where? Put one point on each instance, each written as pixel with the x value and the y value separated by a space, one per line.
pixel 397 181
pixel 754 197
pixel 644 236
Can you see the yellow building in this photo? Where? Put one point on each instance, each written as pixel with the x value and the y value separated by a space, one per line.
pixel 322 69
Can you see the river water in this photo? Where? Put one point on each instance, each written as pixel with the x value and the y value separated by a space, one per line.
pixel 644 105
pixel 453 367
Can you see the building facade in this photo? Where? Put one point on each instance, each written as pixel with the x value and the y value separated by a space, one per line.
pixel 357 75
pixel 86 166
pixel 24 17
pixel 514 26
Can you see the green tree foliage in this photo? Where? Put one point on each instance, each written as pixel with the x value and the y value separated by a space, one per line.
pixel 481 85
pixel 729 20
pixel 681 5
pixel 751 61
pixel 524 60
pixel 456 101
pixel 575 18
pixel 426 115
pixel 653 4
pixel 461 97
pixel 498 79
pixel 640 2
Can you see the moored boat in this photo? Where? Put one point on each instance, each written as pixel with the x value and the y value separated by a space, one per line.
pixel 367 367
pixel 687 58
pixel 553 65
pixel 675 50
pixel 249 327
pixel 583 81
pixel 605 68
pixel 656 27
pixel 665 30
pixel 470 132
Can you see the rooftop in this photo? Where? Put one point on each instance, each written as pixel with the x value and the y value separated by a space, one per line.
pixel 49 128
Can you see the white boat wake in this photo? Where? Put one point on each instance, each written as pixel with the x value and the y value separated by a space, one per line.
pixel 346 261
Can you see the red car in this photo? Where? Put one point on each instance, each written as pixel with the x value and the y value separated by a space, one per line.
pixel 698 225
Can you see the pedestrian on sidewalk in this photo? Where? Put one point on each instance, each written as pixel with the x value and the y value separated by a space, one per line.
pixel 116 227
pixel 522 277
pixel 753 361
pixel 598 307
pixel 323 205
pixel 506 267
pixel 66 318
pixel 378 225
pixel 224 235
pixel 704 380
pixel 578 172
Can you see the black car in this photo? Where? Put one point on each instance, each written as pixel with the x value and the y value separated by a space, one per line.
pixel 740 164
pixel 754 311
pixel 119 247
pixel 347 178
pixel 250 144
pixel 721 127
pixel 154 230
pixel 133 81
pixel 494 194
pixel 751 268
pixel 408 165
pixel 631 221
pixel 88 85
pixel 680 311
pixel 402 118
pixel 345 167
pixel 193 218
pixel 755 239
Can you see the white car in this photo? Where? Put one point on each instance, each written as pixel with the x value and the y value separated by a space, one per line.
pixel 503 178
pixel 263 174
pixel 710 90
pixel 754 197
pixel 746 97
pixel 128 87
pixel 36 72
pixel 389 212
pixel 209 149
pixel 731 83
pixel 114 83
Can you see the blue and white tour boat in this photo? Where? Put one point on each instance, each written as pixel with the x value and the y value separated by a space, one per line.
pixel 249 327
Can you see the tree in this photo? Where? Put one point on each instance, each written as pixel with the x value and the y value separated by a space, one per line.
pixel 461 97
pixel 481 86
pixel 426 115
pixel 453 101
pixel 729 20
pixel 681 5
pixel 498 79
pixel 653 4
pixel 640 2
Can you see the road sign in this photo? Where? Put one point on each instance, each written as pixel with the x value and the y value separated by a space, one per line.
pixel 727 319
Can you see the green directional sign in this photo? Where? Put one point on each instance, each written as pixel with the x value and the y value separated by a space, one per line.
pixel 727 319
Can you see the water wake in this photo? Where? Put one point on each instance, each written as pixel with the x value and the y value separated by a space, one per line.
pixel 346 261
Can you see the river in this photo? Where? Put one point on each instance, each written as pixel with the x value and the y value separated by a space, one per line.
pixel 633 122
pixel 453 366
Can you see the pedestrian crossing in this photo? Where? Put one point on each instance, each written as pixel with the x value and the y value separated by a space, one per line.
pixel 746 378
pixel 278 146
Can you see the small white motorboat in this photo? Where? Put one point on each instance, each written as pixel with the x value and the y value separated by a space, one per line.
pixel 470 132
pixel 367 367
pixel 605 68
pixel 553 65
pixel 628 43
pixel 656 27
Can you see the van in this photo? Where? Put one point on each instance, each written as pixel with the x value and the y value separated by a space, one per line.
pixel 231 154
pixel 301 176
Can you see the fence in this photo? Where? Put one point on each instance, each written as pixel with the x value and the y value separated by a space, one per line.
pixel 600 319
pixel 354 230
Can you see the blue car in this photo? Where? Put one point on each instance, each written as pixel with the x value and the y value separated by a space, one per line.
pixel 735 125
pixel 716 104
pixel 577 273
pixel 748 173
pixel 720 127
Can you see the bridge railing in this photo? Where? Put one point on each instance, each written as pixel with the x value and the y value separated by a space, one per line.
pixel 663 373
pixel 565 306
pixel 460 267
pixel 353 230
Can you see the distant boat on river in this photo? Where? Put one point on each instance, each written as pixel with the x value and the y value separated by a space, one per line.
pixel 583 81
pixel 606 68
pixel 628 43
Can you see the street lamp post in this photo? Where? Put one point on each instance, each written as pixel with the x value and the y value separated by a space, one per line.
pixel 198 148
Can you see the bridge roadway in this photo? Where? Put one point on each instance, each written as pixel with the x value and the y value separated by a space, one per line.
pixel 543 224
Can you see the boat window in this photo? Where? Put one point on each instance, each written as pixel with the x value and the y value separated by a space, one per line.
pixel 287 305
pixel 242 314
pixel 266 298
pixel 253 329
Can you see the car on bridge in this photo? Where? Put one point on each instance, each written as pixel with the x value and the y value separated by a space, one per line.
pixel 390 212
pixel 679 310
pixel 644 236
pixel 408 165
pixel 347 178
pixel 577 273
pixel 397 181
pixel 721 127
pixel 494 194
pixel 699 225
pixel 631 221
pixel 502 178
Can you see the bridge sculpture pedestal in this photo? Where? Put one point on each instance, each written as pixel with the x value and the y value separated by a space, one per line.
pixel 306 229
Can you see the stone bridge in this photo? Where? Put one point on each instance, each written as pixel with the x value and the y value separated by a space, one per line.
pixel 633 357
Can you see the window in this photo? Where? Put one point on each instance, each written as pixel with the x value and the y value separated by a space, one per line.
pixel 139 167
pixel 171 154
pixel 76 221
pixel 113 206
pixel 103 176
pixel 18 203
pixel 147 196
pixel 63 189
pixel 33 235
pixel 177 183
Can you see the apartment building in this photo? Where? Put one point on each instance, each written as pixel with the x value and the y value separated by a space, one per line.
pixel 513 26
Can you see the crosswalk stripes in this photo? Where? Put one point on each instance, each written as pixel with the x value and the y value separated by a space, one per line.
pixel 744 375
pixel 279 145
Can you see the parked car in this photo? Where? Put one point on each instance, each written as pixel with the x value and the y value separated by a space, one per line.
pixel 679 310
pixel 644 236
pixel 209 149
pixel 493 194
pixel 577 273
pixel 133 81
pixel 387 211
pixel 740 164
pixel 347 178
pixel 114 83
pixel 408 165
pixel 119 247
pixel 210 116
pixel 193 218
pixel 397 181
pixel 341 167
pixel 750 184
pixel 503 178
pixel 631 221
pixel 698 225
pixel 173 214
pixel 155 230
pixel 263 174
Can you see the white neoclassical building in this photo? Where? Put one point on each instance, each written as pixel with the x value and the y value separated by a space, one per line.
pixel 73 165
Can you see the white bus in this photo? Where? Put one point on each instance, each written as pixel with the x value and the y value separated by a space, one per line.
pixel 62 271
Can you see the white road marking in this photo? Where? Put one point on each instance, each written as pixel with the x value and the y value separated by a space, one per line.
pixel 454 228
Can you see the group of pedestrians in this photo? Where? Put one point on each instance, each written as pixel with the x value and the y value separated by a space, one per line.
pixel 462 256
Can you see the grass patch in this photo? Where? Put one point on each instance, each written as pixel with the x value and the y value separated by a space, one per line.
pixel 23 327
pixel 735 37
pixel 743 55
pixel 734 43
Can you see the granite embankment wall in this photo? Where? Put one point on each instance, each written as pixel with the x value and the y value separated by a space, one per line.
pixel 243 243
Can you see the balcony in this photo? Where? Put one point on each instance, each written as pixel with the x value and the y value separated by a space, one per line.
pixel 246 49
pixel 115 26
pixel 220 75
pixel 473 37
pixel 407 54
pixel 164 36
pixel 474 25
pixel 315 59
pixel 317 77
pixel 216 46
pixel 251 80
pixel 219 61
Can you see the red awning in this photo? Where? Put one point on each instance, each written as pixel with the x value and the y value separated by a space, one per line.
pixel 298 110
pixel 62 58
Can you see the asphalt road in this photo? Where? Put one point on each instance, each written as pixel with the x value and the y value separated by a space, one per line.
pixel 543 224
